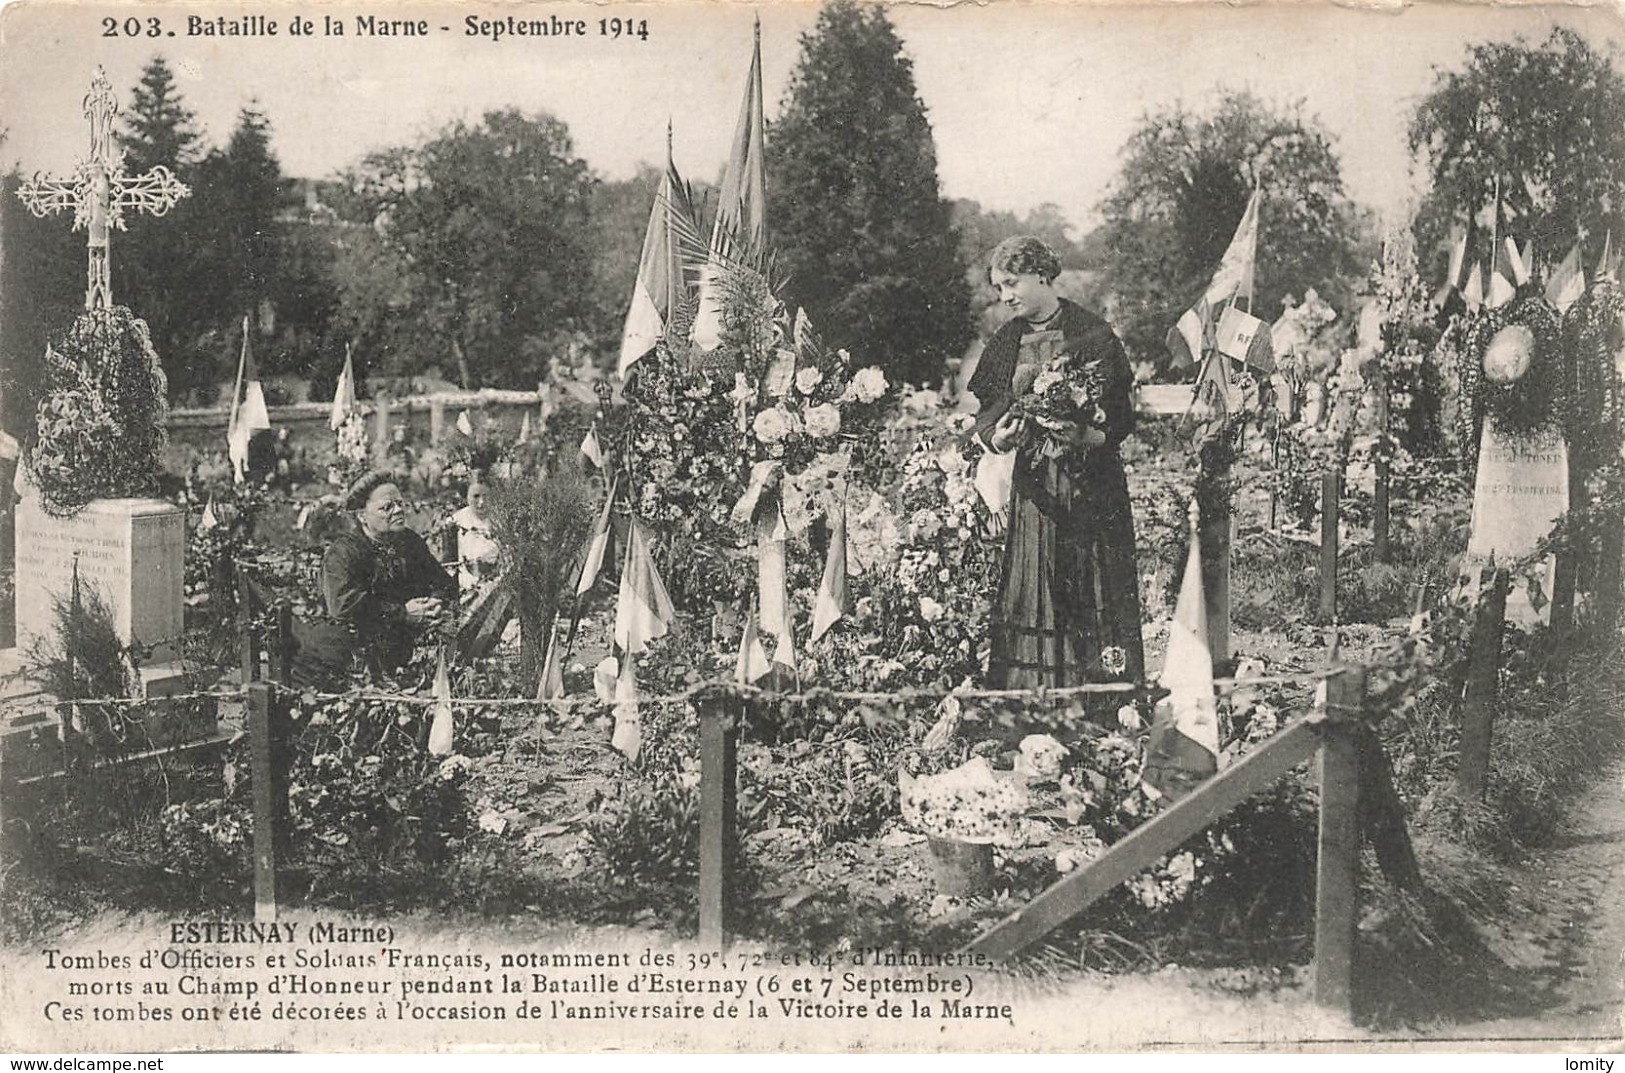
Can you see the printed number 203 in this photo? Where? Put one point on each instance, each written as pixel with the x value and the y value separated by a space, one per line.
pixel 132 27
pixel 638 28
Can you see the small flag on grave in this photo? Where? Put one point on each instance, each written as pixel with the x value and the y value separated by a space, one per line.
pixel 343 394
pixel 628 734
pixel 1568 281
pixel 441 730
pixel 464 425
pixel 752 664
pixel 1183 748
pixel 208 520
pixel 1232 281
pixel 829 607
pixel 597 545
pixel 644 611
pixel 592 449
pixel 248 412
pixel 524 431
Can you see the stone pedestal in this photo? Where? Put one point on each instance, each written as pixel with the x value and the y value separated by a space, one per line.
pixel 131 551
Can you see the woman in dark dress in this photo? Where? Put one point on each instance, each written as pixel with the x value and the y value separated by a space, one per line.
pixel 1067 610
pixel 380 583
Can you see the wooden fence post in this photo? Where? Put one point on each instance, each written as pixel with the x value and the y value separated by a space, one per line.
pixel 282 651
pixel 719 736
pixel 1337 868
pixel 1379 506
pixel 247 642
pixel 1331 488
pixel 1478 703
pixel 262 734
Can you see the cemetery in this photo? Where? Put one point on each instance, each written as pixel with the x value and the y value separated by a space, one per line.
pixel 717 665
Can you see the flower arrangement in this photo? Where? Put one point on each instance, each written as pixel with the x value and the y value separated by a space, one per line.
pixel 970 803
pixel 1510 368
pixel 99 430
pixel 1062 399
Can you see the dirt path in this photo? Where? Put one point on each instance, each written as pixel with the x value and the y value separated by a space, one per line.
pixel 1569 926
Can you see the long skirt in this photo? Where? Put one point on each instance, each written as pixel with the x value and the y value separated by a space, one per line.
pixel 1067 611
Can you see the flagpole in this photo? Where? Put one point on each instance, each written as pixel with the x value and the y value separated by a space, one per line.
pixel 237 390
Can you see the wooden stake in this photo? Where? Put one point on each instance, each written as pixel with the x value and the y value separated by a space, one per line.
pixel 247 641
pixel 719 734
pixel 1478 704
pixel 1331 490
pixel 263 772
pixel 1337 872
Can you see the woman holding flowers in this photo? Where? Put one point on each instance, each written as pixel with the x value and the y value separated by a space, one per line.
pixel 1054 388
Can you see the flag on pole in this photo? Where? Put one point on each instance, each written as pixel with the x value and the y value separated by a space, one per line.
pixel 752 664
pixel 1232 281
pixel 248 412
pixel 659 287
pixel 441 730
pixel 771 585
pixel 464 425
pixel 1183 748
pixel 785 654
pixel 628 734
pixel 830 605
pixel 1473 292
pixel 741 223
pixel 1245 338
pixel 343 394
pixel 1567 282
pixel 1606 268
pixel 644 610
pixel 208 520
pixel 591 447
pixel 597 546
pixel 524 430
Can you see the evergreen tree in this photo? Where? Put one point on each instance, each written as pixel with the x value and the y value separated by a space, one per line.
pixel 856 217
pixel 159 129
pixel 158 267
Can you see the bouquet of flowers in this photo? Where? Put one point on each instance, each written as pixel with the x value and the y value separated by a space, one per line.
pixel 1061 398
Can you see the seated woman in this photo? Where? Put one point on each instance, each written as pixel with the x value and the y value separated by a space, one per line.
pixel 380 581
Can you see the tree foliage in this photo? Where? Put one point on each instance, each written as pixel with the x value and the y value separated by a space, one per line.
pixel 1543 125
pixel 1183 187
pixel 470 252
pixel 855 215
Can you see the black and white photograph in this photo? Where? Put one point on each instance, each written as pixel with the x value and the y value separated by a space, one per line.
pixel 816 526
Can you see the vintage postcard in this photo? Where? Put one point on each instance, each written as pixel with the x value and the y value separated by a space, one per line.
pixel 810 526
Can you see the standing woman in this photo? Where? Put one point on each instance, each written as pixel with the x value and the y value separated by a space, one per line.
pixel 1067 610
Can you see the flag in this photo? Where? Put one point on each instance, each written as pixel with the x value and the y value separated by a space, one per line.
pixel 551 684
pixel 1245 338
pixel 644 611
pixel 591 447
pixel 1606 267
pixel 1232 282
pixel 441 729
pixel 659 287
pixel 771 588
pixel 343 394
pixel 741 223
pixel 829 607
pixel 628 734
pixel 209 521
pixel 785 654
pixel 1567 282
pixel 464 425
pixel 524 430
pixel 1183 748
pixel 752 663
pixel 1473 292
pixel 597 546
pixel 248 413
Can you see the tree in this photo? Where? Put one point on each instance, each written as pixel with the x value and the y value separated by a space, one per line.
pixel 1182 189
pixel 855 213
pixel 477 252
pixel 1542 125
pixel 42 288
pixel 159 129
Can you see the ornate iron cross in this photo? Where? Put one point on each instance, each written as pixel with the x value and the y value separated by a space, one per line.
pixel 99 191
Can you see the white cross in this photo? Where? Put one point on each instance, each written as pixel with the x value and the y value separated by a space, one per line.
pixel 99 191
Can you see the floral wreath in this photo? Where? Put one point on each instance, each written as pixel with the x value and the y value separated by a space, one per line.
pixel 1599 394
pixel 1528 405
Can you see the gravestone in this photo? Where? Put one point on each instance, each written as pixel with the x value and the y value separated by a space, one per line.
pixel 1521 491
pixel 131 551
